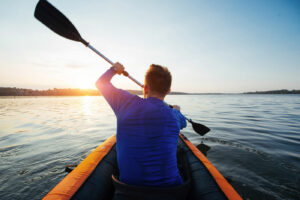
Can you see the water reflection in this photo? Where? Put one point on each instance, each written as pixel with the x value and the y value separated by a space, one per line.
pixel 203 148
pixel 86 105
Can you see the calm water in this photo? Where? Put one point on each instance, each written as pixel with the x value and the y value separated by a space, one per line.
pixel 254 140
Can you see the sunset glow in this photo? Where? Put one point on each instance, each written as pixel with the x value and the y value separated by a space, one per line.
pixel 85 84
pixel 209 46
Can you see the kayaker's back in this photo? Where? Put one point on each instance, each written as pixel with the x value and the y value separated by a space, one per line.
pixel 147 137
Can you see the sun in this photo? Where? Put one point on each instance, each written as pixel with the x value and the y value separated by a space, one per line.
pixel 85 84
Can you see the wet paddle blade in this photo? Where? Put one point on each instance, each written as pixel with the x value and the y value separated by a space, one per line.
pixel 199 128
pixel 56 21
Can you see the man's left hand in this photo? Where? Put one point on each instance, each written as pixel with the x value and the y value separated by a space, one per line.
pixel 176 107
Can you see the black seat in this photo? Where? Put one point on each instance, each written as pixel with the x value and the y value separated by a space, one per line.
pixel 131 192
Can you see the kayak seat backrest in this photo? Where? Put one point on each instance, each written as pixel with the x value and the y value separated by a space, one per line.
pixel 131 192
pixel 99 184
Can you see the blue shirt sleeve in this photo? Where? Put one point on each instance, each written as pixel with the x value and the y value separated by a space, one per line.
pixel 181 121
pixel 116 98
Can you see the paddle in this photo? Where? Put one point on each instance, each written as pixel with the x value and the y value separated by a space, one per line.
pixel 198 128
pixel 60 24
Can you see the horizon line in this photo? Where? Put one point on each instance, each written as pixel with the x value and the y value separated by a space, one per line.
pixel 174 92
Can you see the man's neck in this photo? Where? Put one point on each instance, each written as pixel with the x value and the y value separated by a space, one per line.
pixel 156 96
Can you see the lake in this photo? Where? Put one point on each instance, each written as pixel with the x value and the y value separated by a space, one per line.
pixel 254 140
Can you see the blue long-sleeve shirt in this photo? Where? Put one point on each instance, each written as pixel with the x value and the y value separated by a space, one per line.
pixel 147 134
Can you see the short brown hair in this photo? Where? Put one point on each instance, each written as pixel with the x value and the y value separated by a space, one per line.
pixel 158 79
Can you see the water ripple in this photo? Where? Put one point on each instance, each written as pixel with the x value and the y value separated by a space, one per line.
pixel 254 140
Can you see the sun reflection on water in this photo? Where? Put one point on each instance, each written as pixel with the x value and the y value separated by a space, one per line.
pixel 87 105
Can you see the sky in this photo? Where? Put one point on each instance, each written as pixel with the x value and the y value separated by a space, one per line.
pixel 210 46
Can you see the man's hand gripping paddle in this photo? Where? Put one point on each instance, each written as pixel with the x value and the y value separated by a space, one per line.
pixel 60 24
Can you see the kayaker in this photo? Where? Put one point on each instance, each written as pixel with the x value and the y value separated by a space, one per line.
pixel 147 129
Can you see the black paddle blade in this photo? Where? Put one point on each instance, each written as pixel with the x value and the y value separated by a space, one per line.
pixel 199 128
pixel 56 21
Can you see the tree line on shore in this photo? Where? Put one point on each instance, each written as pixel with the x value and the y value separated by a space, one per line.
pixel 13 91
pixel 6 91
pixel 275 92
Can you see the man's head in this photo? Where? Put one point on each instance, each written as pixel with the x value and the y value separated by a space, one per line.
pixel 158 81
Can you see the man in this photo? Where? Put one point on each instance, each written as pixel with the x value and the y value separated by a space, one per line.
pixel 147 129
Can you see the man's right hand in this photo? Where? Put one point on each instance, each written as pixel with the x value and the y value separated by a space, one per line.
pixel 118 67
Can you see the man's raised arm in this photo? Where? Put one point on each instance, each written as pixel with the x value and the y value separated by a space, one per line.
pixel 115 97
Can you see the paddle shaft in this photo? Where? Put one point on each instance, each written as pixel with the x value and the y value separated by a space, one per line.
pixel 111 62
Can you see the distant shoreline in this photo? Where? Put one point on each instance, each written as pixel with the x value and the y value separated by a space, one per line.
pixel 13 91
pixel 275 92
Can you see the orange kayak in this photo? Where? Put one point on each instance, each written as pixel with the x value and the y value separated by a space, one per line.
pixel 92 178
